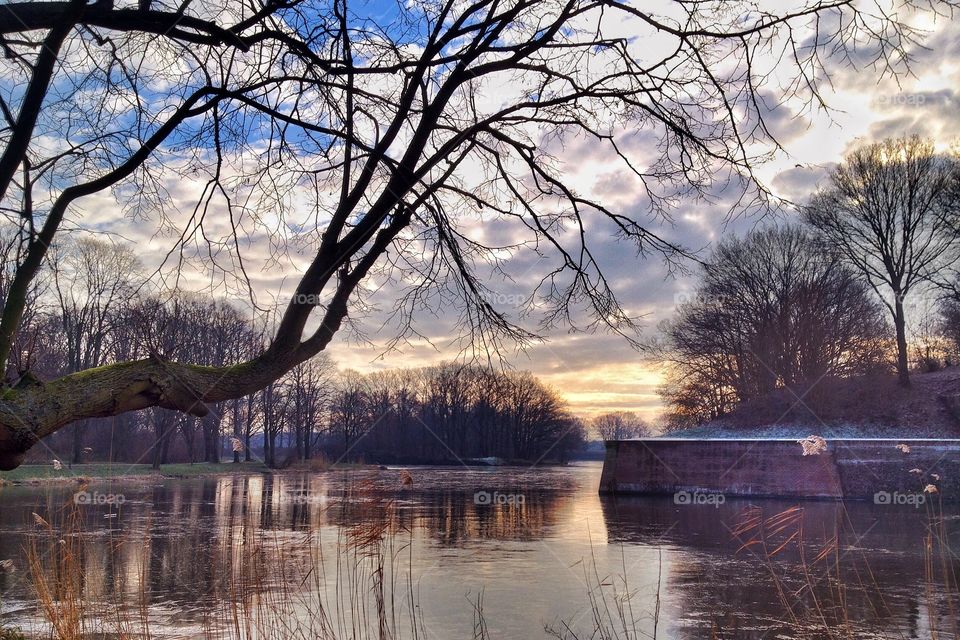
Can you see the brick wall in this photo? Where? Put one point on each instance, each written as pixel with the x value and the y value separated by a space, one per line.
pixel 855 469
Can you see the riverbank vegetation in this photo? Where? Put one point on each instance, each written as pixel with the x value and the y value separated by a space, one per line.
pixel 282 589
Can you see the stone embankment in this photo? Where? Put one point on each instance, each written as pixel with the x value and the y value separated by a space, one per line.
pixel 844 469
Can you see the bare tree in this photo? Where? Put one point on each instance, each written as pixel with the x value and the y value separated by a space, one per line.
pixel 396 128
pixel 243 419
pixel 243 410
pixel 620 425
pixel 161 330
pixel 273 412
pixel 310 387
pixel 931 342
pixel 890 213
pixel 350 418
pixel 771 311
pixel 535 416
pixel 221 335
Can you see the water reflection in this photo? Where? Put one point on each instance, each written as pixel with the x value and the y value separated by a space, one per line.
pixel 854 565
pixel 182 544
pixel 182 539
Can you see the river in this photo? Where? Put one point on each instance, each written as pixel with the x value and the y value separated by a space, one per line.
pixel 537 546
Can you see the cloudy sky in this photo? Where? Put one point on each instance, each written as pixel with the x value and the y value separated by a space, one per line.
pixel 595 371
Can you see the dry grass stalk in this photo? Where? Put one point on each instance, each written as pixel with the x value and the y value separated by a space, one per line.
pixel 281 590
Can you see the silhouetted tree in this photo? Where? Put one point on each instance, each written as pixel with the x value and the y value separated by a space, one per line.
pixel 950 328
pixel 890 213
pixel 451 413
pixel 620 425
pixel 309 386
pixel 349 415
pixel 770 311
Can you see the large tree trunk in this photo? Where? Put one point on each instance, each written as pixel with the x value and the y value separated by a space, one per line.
pixel 237 432
pixel 121 439
pixel 248 430
pixel 164 425
pixel 165 446
pixel 899 321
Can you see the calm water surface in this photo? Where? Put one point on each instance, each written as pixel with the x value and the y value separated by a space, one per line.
pixel 536 554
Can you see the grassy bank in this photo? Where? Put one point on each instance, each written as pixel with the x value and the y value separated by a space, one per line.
pixel 872 406
pixel 47 472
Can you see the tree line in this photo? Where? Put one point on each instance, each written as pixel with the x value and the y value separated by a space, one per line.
pixel 452 413
pixel 827 296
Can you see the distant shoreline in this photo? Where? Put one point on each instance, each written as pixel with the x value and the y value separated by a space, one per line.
pixel 33 474
pixel 37 474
